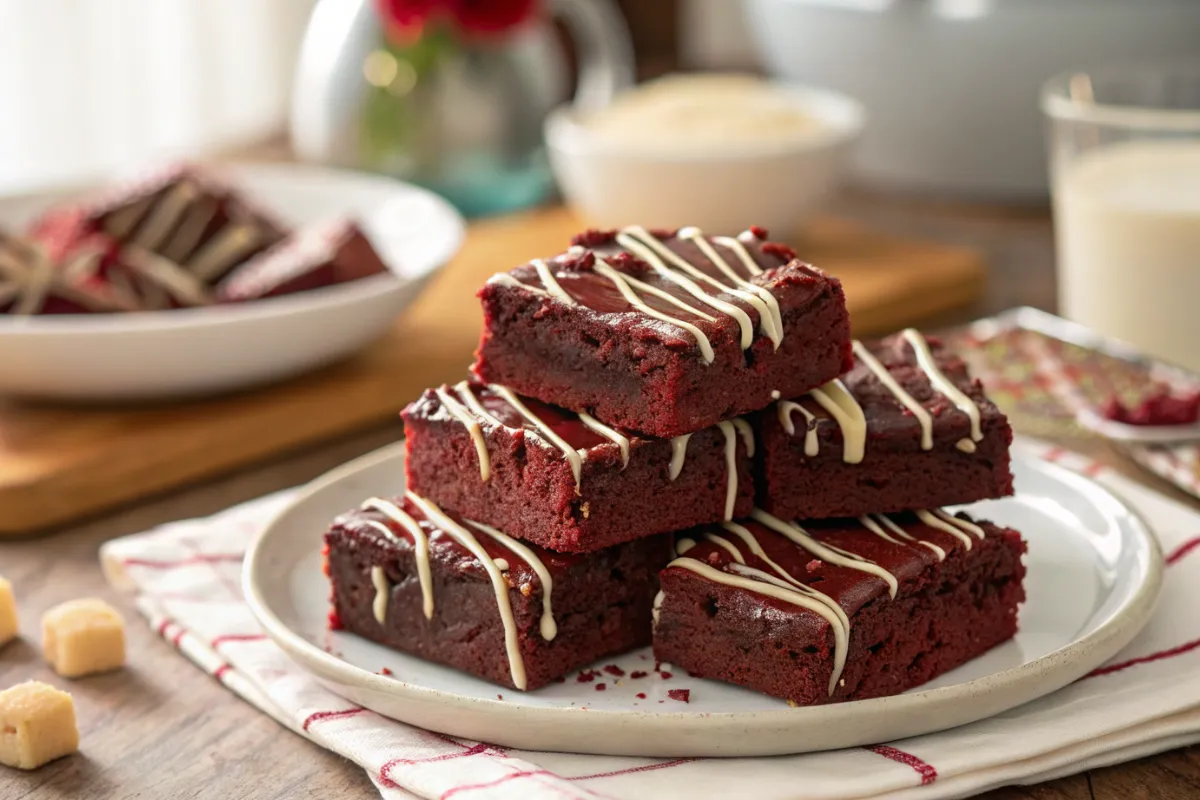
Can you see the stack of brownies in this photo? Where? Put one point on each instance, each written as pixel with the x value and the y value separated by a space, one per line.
pixel 671 438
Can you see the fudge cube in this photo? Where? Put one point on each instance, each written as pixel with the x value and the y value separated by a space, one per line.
pixel 565 481
pixel 908 427
pixel 82 637
pixel 8 613
pixel 664 333
pixel 37 725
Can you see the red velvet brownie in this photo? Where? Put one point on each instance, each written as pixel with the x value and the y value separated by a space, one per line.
pixel 906 428
pixel 33 281
pixel 564 480
pixel 664 333
pixel 310 258
pixel 838 609
pixel 417 579
pixel 169 236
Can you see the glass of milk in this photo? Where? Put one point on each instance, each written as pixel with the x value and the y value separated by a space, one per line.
pixel 1125 170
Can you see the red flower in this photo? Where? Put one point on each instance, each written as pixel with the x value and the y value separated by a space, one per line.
pixel 488 17
pixel 405 18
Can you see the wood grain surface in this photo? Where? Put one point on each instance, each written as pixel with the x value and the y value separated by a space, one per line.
pixel 163 729
pixel 61 463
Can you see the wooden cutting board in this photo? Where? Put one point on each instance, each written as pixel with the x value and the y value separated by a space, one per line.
pixel 61 463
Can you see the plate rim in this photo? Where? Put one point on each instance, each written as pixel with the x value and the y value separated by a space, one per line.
pixel 1066 664
pixel 271 308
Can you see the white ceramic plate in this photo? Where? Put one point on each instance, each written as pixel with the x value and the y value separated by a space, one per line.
pixel 1094 575
pixel 187 352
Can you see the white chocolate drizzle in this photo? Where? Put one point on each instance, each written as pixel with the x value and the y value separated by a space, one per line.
pixel 383 593
pixel 625 285
pixel 642 244
pixel 943 384
pixel 683 544
pixel 907 400
pixel 516 665
pixel 739 249
pixel 747 434
pixel 965 445
pixel 947 527
pixel 571 454
pixel 657 607
pixel 770 317
pixel 761 583
pixel 472 402
pixel 679 445
pixel 891 525
pixel 599 428
pixel 842 406
pixel 825 551
pixel 785 409
pixel 727 546
pixel 420 544
pixel 552 285
pixel 465 416
pixel 731 478
pixel 547 626
pixel 969 527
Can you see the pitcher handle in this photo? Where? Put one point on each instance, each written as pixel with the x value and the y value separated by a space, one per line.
pixel 605 50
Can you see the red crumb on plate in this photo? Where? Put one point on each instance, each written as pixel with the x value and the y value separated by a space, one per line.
pixel 682 695
pixel 613 669
pixel 1161 407
pixel 600 687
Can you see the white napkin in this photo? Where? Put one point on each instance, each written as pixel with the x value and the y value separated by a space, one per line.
pixel 186 576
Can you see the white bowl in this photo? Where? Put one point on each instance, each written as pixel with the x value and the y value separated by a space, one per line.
pixel 776 185
pixel 203 351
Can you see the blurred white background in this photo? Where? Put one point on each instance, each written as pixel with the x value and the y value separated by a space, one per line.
pixel 87 86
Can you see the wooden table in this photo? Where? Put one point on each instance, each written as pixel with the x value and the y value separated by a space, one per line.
pixel 163 729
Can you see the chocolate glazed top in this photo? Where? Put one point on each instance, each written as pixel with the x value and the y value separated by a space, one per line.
pixel 446 551
pixel 849 588
pixel 885 413
pixel 563 422
pixel 575 272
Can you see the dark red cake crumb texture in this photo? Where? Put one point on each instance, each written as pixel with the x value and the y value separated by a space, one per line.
pixel 531 493
pixel 649 377
pixel 682 695
pixel 944 615
pixel 602 601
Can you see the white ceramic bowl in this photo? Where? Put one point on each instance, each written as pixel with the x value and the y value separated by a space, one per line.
pixel 776 185
pixel 190 352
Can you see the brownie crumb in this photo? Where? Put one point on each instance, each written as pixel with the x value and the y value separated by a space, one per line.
pixel 600 687
pixel 499 697
pixel 813 565
pixel 666 676
pixel 334 621
pixel 641 695
pixel 385 671
pixel 682 695
pixel 587 676
pixel 613 669
pixel 760 232
pixel 637 673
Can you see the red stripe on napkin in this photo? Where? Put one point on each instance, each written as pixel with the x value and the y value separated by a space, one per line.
pixel 926 771
pixel 1133 662
pixel 1183 549
pixel 318 716
pixel 198 558
pixel 632 770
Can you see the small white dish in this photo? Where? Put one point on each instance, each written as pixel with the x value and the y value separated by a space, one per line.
pixel 776 184
pixel 1094 574
pixel 203 351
